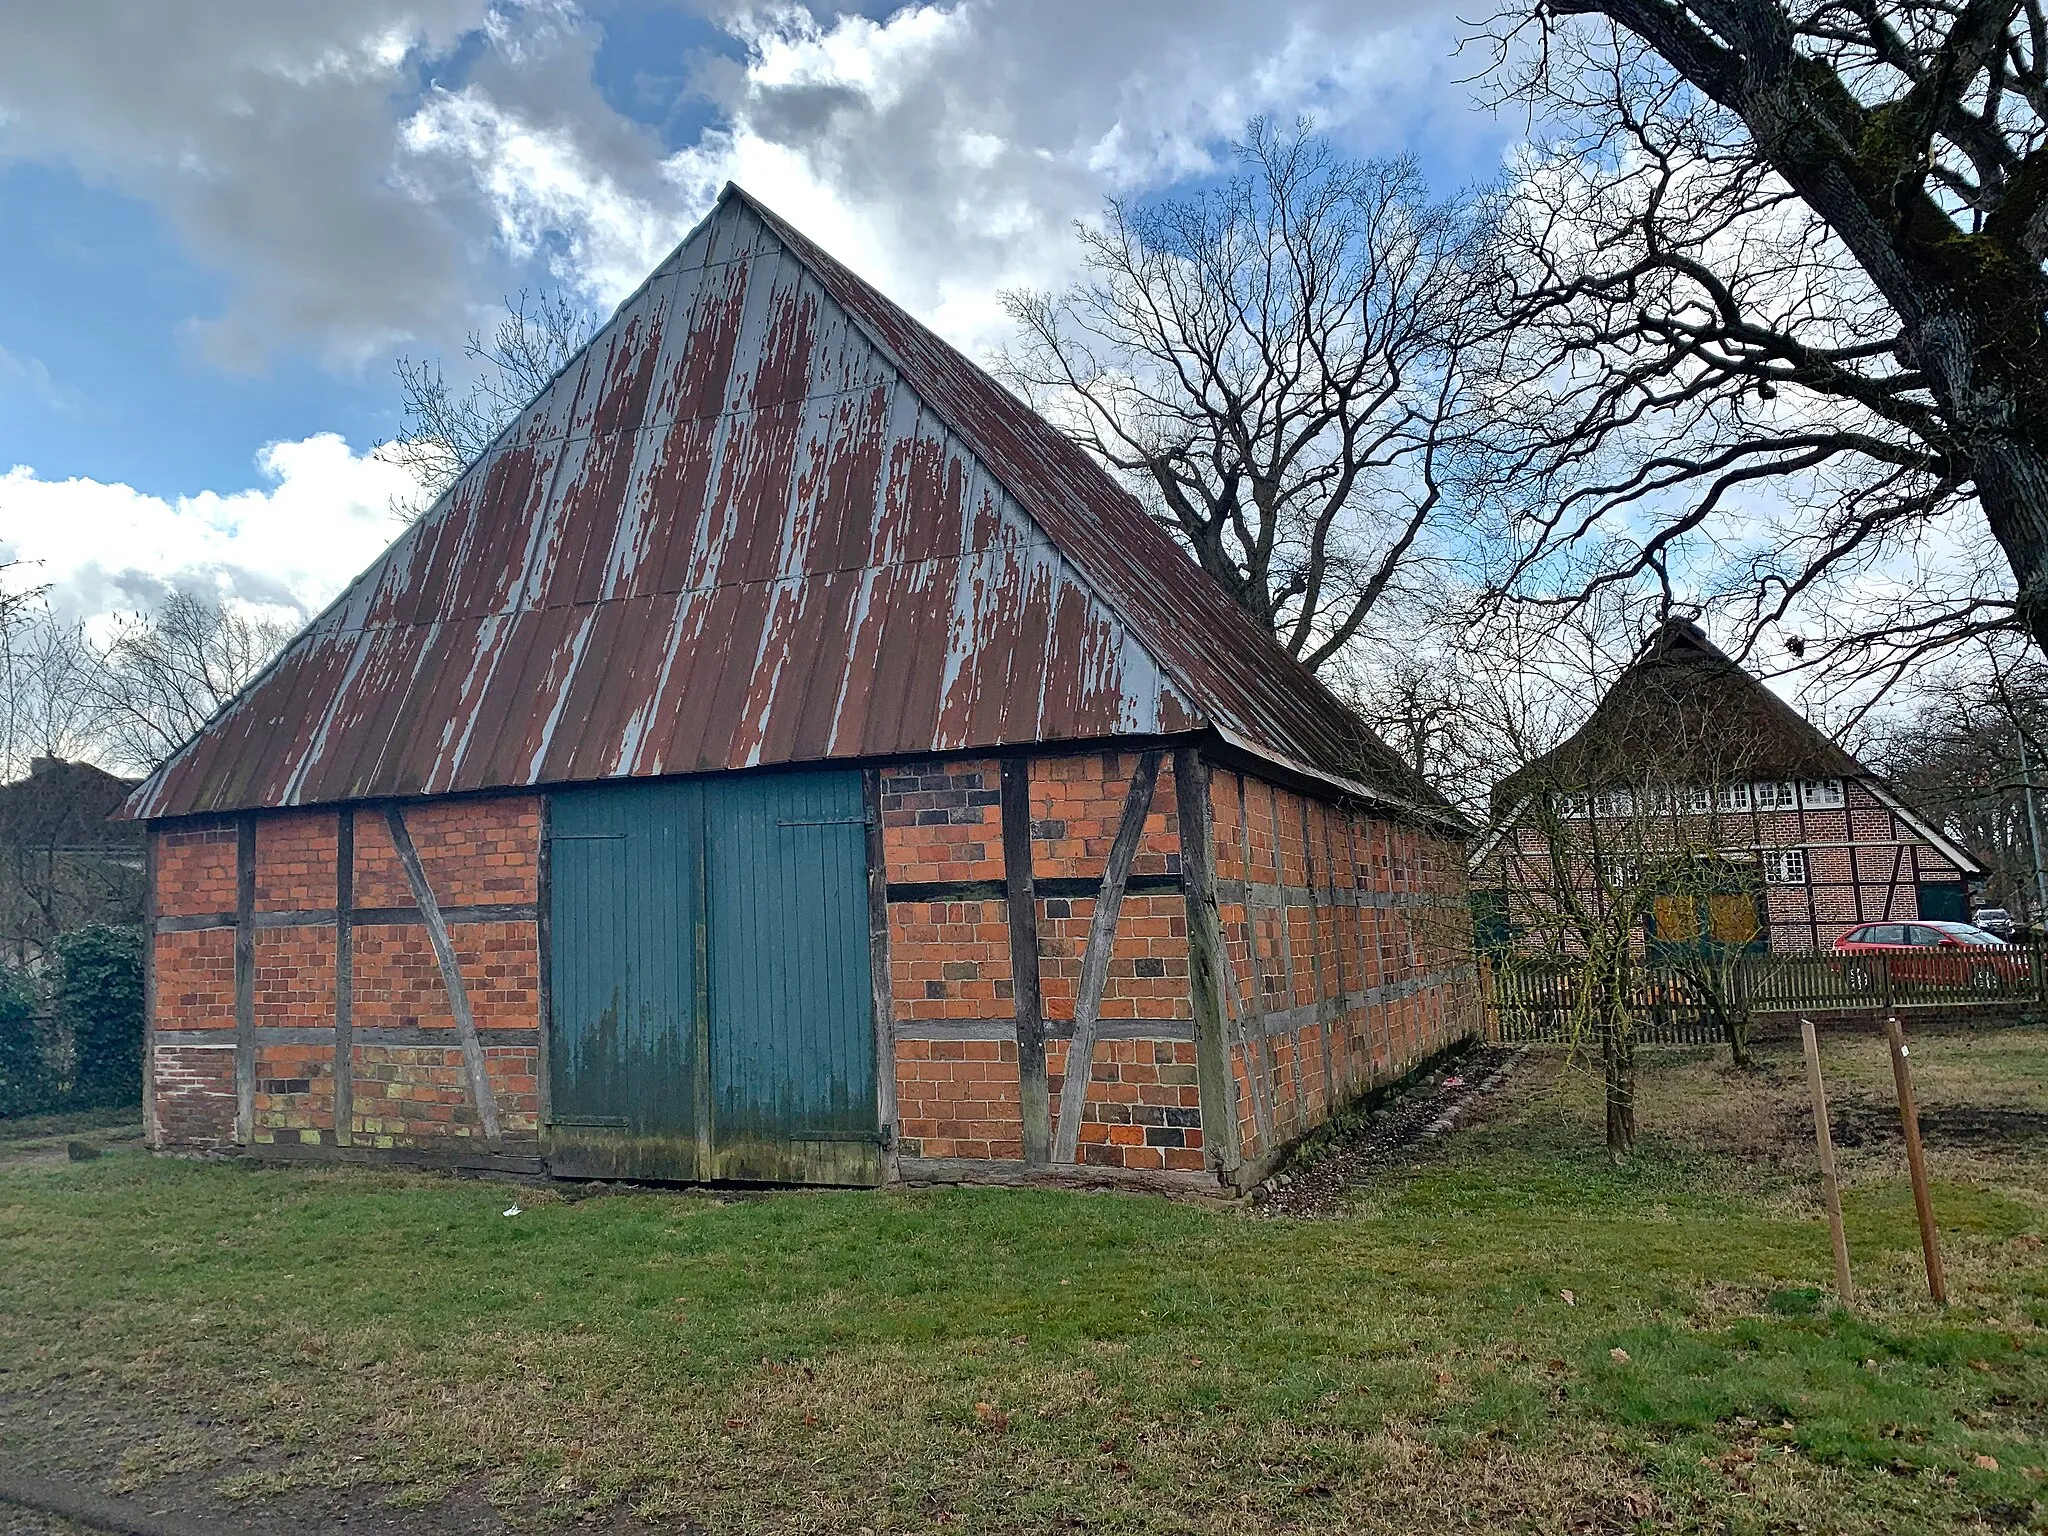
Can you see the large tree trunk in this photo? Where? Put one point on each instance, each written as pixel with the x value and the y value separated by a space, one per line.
pixel 2012 483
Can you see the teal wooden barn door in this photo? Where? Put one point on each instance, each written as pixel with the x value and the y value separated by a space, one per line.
pixel 792 1010
pixel 710 1008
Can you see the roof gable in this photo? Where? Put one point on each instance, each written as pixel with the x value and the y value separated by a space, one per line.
pixel 764 517
pixel 1684 711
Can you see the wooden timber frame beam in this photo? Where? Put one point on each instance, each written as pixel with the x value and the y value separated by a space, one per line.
pixel 245 980
pixel 880 972
pixel 1095 957
pixel 1210 986
pixel 1034 1097
pixel 344 976
pixel 451 975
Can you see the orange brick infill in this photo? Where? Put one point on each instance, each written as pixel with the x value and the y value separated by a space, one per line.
pixel 195 868
pixel 1143 1108
pixel 1077 803
pixel 195 979
pixel 1148 966
pixel 482 852
pixel 295 860
pixel 294 977
pixel 942 822
pixel 398 977
pixel 950 960
pixel 958 1098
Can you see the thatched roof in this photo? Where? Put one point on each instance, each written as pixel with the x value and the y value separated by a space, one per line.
pixel 1683 712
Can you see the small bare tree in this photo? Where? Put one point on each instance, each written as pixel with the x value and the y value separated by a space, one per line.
pixel 1275 367
pixel 163 674
pixel 446 429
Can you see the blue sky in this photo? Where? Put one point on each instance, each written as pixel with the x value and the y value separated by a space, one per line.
pixel 225 219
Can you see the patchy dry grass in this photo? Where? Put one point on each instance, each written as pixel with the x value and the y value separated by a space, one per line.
pixel 1002 1360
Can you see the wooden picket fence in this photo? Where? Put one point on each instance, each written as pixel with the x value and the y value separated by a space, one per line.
pixel 1537 1000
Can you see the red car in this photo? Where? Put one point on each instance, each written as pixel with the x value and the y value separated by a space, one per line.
pixel 1945 953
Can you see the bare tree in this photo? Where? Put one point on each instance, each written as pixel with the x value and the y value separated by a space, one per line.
pixel 1774 311
pixel 162 675
pixel 1966 754
pixel 446 429
pixel 1274 366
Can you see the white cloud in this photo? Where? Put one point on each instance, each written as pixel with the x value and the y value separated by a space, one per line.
pixel 287 547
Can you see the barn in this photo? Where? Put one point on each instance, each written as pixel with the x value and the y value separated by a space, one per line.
pixel 783 757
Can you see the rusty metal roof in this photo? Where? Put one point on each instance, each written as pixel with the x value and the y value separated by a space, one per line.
pixel 764 517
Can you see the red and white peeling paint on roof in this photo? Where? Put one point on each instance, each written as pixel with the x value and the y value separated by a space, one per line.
pixel 765 517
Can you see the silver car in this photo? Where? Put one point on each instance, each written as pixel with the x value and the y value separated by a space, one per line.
pixel 1994 920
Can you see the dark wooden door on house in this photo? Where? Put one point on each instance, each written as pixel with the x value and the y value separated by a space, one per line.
pixel 711 1013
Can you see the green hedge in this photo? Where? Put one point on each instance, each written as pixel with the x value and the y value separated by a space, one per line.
pixel 99 1005
pixel 27 1085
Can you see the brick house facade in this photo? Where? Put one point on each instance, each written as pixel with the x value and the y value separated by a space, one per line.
pixel 1687 751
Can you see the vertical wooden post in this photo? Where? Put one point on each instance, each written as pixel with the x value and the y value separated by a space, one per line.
pixel 245 980
pixel 344 975
pixel 880 986
pixel 1831 1189
pixel 1035 1099
pixel 152 1129
pixel 1208 961
pixel 1916 1162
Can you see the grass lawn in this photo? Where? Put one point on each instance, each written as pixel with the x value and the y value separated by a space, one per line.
pixel 1511 1336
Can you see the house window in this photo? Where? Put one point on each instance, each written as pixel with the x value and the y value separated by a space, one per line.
pixel 1777 795
pixel 1733 797
pixel 1820 794
pixel 1613 802
pixel 1684 800
pixel 1618 870
pixel 1785 866
pixel 1569 806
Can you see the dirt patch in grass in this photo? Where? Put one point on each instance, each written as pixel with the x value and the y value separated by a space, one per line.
pixel 1384 1134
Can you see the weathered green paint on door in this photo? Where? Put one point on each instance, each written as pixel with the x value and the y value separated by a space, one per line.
pixel 710 1003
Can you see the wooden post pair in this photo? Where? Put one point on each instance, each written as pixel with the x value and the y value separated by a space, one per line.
pixel 1916 1162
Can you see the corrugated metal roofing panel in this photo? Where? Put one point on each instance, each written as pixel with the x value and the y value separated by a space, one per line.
pixel 764 517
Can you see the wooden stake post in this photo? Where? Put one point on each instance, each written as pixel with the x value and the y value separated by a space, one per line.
pixel 1831 1188
pixel 1916 1162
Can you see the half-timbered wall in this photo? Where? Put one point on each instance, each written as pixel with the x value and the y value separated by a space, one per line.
pixel 372 978
pixel 366 977
pixel 1862 862
pixel 1349 948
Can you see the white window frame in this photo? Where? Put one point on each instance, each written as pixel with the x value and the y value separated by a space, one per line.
pixel 1822 794
pixel 1618 870
pixel 1695 799
pixel 1617 801
pixel 1784 866
pixel 1569 806
pixel 1733 797
pixel 1775 795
